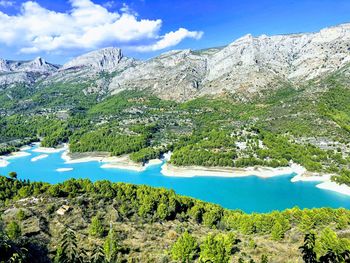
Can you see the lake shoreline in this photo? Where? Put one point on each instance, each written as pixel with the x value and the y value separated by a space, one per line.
pixel 311 177
pixel 124 163
pixel 259 171
pixel 325 182
pixel 301 174
pixel 4 159
pixel 333 186
pixel 108 162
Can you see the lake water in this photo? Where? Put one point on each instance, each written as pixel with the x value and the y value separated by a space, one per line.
pixel 250 194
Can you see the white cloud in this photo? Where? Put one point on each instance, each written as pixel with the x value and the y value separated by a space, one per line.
pixel 170 39
pixel 85 26
pixel 6 3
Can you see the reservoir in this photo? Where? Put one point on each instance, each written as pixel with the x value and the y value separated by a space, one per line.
pixel 250 194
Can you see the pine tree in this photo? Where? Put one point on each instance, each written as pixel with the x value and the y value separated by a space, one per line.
pixel 307 249
pixel 215 249
pixel 185 248
pixel 162 211
pixel 306 224
pixel 96 228
pixel 69 250
pixel 327 241
pixel 277 232
pixel 111 246
pixel 97 255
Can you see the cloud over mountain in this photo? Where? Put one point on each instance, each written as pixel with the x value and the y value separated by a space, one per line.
pixel 85 26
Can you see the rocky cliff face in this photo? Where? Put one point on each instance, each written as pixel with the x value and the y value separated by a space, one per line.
pixel 38 65
pixel 93 70
pixel 293 58
pixel 248 66
pixel 173 75
pixel 25 72
pixel 107 59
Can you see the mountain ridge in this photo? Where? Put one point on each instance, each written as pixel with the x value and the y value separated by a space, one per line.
pixel 246 67
pixel 24 72
pixel 36 65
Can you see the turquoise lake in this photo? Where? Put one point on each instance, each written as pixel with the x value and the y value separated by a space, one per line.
pixel 250 194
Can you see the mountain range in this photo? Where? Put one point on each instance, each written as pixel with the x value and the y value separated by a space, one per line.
pixel 248 66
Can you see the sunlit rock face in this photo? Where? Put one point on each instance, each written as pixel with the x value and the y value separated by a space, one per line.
pixel 107 59
pixel 13 72
pixel 248 66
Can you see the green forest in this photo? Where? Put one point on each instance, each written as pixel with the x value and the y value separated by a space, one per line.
pixel 92 229
pixel 273 131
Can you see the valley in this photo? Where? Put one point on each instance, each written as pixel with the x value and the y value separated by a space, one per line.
pixel 261 105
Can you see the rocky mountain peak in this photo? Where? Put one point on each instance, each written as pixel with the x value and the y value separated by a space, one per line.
pixel 248 65
pixel 245 38
pixel 39 61
pixel 14 72
pixel 106 59
pixel 37 65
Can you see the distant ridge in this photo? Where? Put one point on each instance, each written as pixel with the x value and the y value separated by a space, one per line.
pixel 248 66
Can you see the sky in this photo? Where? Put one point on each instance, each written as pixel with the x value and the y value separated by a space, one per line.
pixel 62 29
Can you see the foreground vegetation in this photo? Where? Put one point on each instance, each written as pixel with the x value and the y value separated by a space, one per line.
pixel 81 221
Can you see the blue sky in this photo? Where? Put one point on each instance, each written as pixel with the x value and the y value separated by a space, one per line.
pixel 61 29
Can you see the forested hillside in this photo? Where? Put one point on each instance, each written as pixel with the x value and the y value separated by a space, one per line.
pixel 307 125
pixel 81 221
